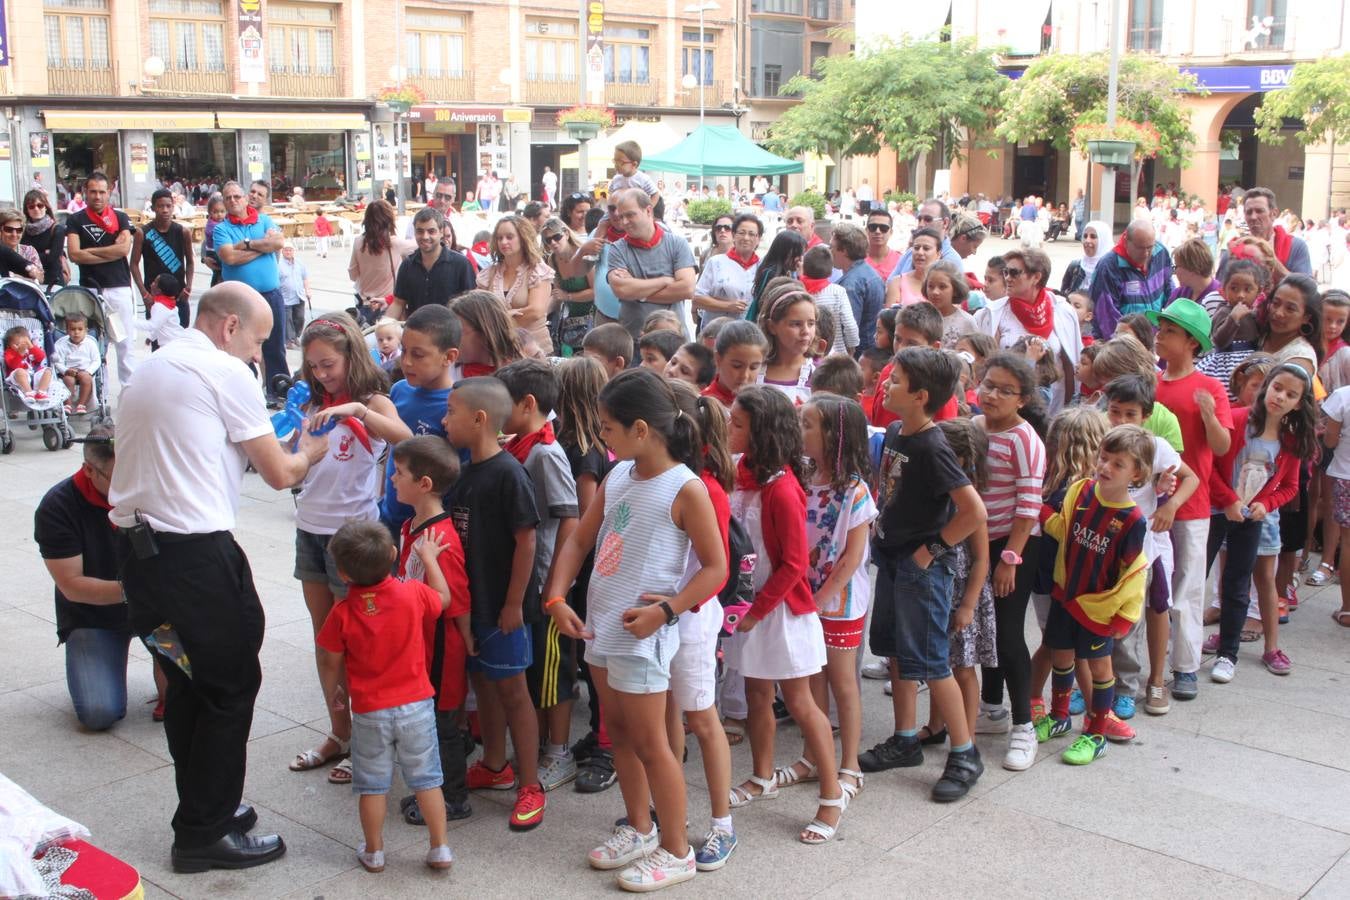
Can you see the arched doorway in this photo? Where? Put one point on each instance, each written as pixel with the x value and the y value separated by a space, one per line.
pixel 1248 161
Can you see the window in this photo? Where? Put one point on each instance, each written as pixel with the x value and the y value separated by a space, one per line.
pixel 300 38
pixel 435 43
pixel 1146 25
pixel 551 50
pixel 819 50
pixel 773 80
pixel 628 54
pixel 76 33
pixel 697 59
pixel 776 54
pixel 1277 11
pixel 189 35
pixel 786 7
pixel 819 9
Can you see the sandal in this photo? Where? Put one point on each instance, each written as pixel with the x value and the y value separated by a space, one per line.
pixel 741 796
pixel 735 729
pixel 786 776
pixel 313 759
pixel 1342 617
pixel 816 831
pixel 1324 574
pixel 372 860
pixel 1247 636
pixel 341 773
pixel 854 789
pixel 932 739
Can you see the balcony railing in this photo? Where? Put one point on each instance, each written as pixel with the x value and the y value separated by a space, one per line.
pixel 194 81
pixel 555 90
pixel 449 86
pixel 293 82
pixel 688 97
pixel 82 80
pixel 648 93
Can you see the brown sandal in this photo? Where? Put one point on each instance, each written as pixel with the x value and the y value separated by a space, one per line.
pixel 341 773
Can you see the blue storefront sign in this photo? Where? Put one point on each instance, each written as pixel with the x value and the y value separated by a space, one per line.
pixel 1225 79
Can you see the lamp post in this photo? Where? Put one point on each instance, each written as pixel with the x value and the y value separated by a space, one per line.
pixel 1108 197
pixel 700 8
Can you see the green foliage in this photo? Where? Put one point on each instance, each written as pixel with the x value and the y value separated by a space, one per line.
pixel 813 199
pixel 1060 92
pixel 1318 94
pixel 913 96
pixel 901 197
pixel 705 212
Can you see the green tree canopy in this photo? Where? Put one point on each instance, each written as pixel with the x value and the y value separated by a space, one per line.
pixel 913 97
pixel 1318 94
pixel 1059 92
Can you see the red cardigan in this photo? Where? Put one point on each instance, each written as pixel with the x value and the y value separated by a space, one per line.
pixel 783 510
pixel 1279 490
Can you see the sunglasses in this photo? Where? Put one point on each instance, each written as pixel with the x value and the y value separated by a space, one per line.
pixel 721 228
pixel 578 196
pixel 9 230
pixel 878 227
pixel 1013 273
pixel 553 238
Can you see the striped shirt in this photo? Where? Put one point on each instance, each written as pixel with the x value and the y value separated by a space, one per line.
pixel 1016 468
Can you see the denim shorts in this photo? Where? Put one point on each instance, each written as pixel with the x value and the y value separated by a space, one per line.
pixel 911 610
pixel 501 655
pixel 400 734
pixel 313 562
pixel 632 674
pixel 1270 535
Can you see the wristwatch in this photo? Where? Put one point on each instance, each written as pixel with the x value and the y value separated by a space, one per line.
pixel 1010 557
pixel 248 245
pixel 671 617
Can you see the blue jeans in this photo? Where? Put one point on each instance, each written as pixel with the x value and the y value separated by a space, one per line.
pixel 274 348
pixel 96 675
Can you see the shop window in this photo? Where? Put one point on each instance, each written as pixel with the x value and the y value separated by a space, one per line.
pixel 76 33
pixel 300 38
pixel 435 43
pixel 550 50
pixel 315 162
pixel 628 53
pixel 1146 25
pixel 189 35
pixel 1277 11
pixel 697 59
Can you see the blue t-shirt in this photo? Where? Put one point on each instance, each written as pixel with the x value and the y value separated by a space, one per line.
pixel 422 411
pixel 261 274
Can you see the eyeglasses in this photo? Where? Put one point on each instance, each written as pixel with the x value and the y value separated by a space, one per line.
pixel 926 218
pixel 878 227
pixel 721 228
pixel 1013 273
pixel 18 230
pixel 999 390
pixel 553 238
pixel 36 205
pixel 747 234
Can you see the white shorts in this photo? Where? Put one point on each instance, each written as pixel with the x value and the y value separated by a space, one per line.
pixel 693 669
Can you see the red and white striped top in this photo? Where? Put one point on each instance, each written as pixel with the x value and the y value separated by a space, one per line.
pixel 1016 470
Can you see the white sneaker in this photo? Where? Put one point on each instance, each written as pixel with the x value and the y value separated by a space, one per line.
pixel 1222 670
pixel 1021 748
pixel 660 869
pixel 555 771
pixel 877 671
pixel 624 846
pixel 992 720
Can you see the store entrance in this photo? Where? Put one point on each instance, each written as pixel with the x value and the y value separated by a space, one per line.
pixel 80 154
pixel 316 163
pixel 447 155
pixel 197 160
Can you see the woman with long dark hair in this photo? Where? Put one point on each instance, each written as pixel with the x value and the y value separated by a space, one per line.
pixel 784 258
pixel 376 254
pixel 46 236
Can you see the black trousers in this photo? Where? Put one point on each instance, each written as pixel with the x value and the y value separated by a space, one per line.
pixel 1010 617
pixel 202 586
pixel 1244 545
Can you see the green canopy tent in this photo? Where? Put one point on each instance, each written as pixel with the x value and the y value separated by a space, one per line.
pixel 713 150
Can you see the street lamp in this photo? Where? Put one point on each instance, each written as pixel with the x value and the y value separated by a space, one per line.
pixel 700 8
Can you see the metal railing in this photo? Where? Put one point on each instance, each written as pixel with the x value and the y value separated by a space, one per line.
pixel 647 93
pixel 449 86
pixel 294 82
pixel 552 89
pixel 195 81
pixel 82 80
pixel 688 97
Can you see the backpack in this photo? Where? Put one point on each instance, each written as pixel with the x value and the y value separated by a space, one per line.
pixel 739 591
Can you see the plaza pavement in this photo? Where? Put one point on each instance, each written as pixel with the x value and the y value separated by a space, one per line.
pixel 1243 793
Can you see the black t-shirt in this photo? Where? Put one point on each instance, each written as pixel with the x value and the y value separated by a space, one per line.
pixel 112 274
pixel 918 474
pixel 450 276
pixel 67 525
pixel 164 252
pixel 593 462
pixel 50 246
pixel 489 503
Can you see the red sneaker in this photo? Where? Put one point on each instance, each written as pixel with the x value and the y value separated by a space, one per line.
pixel 1113 728
pixel 528 813
pixel 480 778
pixel 157 714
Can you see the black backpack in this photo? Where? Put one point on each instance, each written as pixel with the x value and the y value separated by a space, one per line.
pixel 741 558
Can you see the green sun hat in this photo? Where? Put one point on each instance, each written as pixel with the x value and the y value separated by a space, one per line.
pixel 1192 318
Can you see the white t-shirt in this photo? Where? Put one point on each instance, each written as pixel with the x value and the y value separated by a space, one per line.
pixel 179 427
pixel 723 278
pixel 1336 408
pixel 1146 497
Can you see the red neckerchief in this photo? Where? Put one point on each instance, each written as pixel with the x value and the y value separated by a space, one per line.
pixel 612 234
pixel 165 300
pixel 745 479
pixel 743 263
pixel 250 217
pixel 481 248
pixel 1284 243
pixel 473 370
pixel 1037 316
pixel 358 428
pixel 85 485
pixel 814 285
pixel 720 391
pixel 106 219
pixel 1334 346
pixel 519 446
pixel 1122 250
pixel 655 239
pixel 813 241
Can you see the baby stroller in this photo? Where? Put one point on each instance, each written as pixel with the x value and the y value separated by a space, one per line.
pixel 76 299
pixel 23 303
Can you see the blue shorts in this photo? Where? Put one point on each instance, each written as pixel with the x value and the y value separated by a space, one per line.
pixel 501 655
pixel 403 734
pixel 1064 632
pixel 313 562
pixel 911 610
pixel 631 674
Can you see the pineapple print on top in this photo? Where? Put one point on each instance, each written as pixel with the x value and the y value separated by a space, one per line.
pixel 639 550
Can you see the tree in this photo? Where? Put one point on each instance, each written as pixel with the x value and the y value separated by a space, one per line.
pixel 1318 94
pixel 915 96
pixel 1060 92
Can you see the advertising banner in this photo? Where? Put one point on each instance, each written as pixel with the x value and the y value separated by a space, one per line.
pixel 252 65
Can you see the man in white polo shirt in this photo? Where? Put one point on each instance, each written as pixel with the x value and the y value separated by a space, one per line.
pixel 185 429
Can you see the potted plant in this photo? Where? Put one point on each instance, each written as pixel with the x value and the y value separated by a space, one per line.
pixel 1116 145
pixel 812 198
pixel 401 97
pixel 583 123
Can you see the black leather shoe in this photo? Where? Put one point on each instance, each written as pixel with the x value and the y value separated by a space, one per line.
pixel 245 817
pixel 233 851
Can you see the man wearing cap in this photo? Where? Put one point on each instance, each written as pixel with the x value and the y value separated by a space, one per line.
pixel 1200 404
pixel 933 213
pixel 1135 277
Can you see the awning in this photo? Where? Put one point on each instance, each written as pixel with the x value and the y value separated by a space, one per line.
pixel 279 121
pixel 115 120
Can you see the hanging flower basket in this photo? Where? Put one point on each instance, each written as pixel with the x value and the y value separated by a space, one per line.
pixel 401 97
pixel 1118 145
pixel 583 123
pixel 1111 153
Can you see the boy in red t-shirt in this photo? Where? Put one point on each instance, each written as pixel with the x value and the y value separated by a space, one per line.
pixel 378 632
pixel 424 468
pixel 323 232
